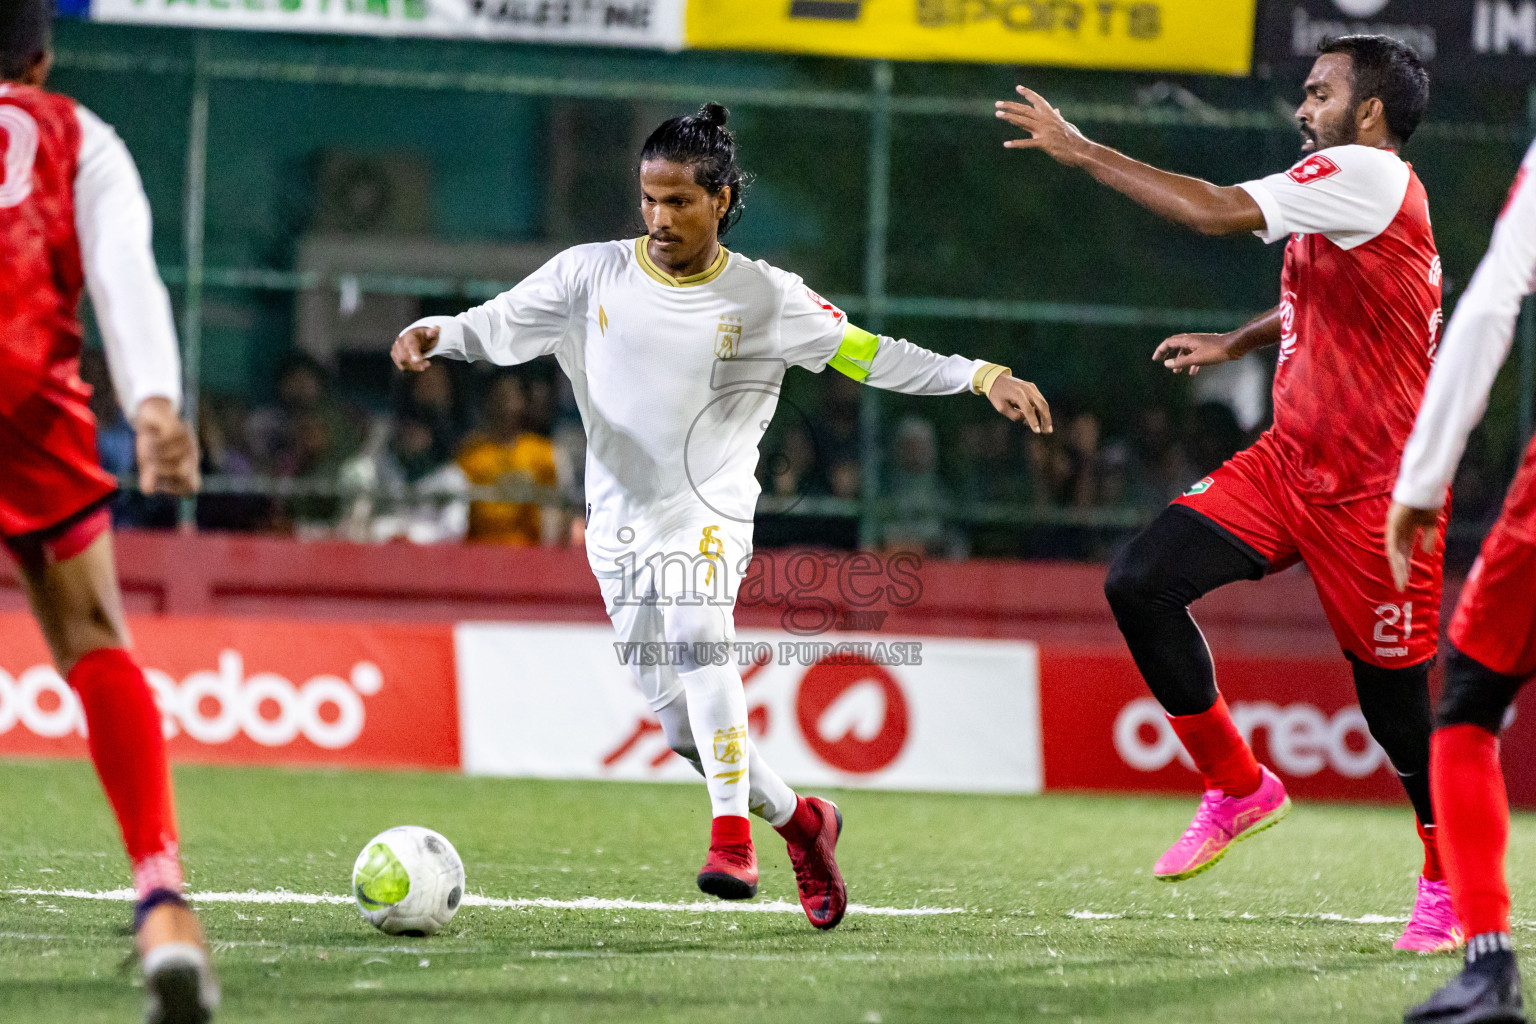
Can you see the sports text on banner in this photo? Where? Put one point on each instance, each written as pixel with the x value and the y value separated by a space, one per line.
pixel 1214 36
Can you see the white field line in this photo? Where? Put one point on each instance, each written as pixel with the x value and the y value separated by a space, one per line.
pixel 285 898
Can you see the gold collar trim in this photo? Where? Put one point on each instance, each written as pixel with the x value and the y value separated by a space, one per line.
pixel 656 273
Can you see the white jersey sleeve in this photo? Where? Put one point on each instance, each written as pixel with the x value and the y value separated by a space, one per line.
pixel 519 325
pixel 1348 194
pixel 1476 343
pixel 133 310
pixel 816 334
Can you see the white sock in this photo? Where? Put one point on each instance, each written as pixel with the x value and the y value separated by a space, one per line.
pixel 771 799
pixel 768 796
pixel 717 715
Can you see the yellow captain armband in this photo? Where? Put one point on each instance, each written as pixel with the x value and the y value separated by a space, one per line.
pixel 986 376
pixel 856 354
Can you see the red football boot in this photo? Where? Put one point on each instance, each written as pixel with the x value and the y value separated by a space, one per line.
pixel 730 870
pixel 812 835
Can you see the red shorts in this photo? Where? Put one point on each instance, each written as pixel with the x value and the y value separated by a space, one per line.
pixel 51 480
pixel 1344 546
pixel 1495 620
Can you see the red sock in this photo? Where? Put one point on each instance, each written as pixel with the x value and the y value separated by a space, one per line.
pixel 1432 868
pixel 128 749
pixel 730 830
pixel 1218 749
pixel 802 826
pixel 1472 815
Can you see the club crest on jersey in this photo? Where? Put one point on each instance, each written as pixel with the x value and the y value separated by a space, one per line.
pixel 1314 168
pixel 1200 488
pixel 728 337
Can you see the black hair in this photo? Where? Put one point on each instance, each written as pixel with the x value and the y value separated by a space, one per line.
pixel 26 33
pixel 703 142
pixel 1390 71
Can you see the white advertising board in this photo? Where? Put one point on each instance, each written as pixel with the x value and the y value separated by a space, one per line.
pixel 555 701
pixel 656 24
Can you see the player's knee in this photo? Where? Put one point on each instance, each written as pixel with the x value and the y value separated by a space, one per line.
pixel 1474 694
pixel 1133 584
pixel 696 626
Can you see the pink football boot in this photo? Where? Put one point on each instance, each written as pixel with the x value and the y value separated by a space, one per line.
pixel 1221 821
pixel 1433 928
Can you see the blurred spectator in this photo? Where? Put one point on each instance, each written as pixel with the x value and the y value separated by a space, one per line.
pixel 395 489
pixel 505 454
pixel 430 406
pixel 308 434
pixel 996 464
pixel 790 469
pixel 219 418
pixel 1072 466
pixel 921 505
pixel 1160 469
pixel 840 438
pixel 1214 436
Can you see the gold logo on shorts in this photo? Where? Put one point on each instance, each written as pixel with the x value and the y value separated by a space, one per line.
pixel 712 548
pixel 728 337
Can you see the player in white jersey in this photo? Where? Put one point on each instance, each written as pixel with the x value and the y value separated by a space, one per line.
pixel 676 349
pixel 1493 633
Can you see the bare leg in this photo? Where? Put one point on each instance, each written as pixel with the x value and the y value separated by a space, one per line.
pixel 79 607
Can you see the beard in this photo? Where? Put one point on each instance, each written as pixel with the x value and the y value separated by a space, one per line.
pixel 1342 132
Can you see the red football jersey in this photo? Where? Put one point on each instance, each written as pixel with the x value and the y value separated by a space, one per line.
pixel 1360 314
pixel 40 332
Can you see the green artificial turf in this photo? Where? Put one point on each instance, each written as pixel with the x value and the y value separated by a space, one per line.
pixel 1062 920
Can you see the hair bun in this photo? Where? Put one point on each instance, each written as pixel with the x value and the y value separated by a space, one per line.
pixel 714 114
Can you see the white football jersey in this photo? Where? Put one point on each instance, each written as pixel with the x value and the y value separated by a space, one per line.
pixel 678 378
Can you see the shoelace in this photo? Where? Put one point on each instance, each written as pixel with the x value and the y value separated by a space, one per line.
pixel 1206 815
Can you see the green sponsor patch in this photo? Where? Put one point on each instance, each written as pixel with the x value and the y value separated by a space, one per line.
pixel 382 880
pixel 1199 488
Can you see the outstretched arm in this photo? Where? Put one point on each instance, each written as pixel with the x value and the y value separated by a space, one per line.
pixel 1207 208
pixel 516 326
pixel 1192 351
pixel 895 364
pixel 816 334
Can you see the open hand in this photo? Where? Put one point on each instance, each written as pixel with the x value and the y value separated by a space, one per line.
pixel 1404 526
pixel 1192 351
pixel 410 349
pixel 1048 130
pixel 1020 400
pixel 166 449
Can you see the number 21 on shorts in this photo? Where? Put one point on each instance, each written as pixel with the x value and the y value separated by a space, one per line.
pixel 1394 625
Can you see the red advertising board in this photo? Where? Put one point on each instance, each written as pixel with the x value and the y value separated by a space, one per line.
pixel 1102 730
pixel 249 691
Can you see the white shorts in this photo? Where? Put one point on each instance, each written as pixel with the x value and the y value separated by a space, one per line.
pixel 707 560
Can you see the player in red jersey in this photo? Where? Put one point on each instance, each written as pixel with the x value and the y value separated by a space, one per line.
pixel 1357 322
pixel 1493 632
pixel 73 214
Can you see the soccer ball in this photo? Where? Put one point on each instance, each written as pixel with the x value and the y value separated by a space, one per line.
pixel 408 881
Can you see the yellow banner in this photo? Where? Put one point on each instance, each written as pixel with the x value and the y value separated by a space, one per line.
pixel 1209 36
